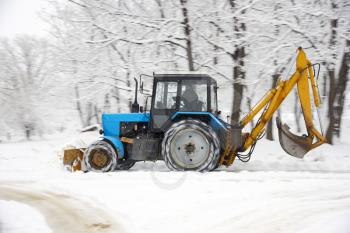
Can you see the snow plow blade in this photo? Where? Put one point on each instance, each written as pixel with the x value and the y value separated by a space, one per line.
pixel 72 159
pixel 294 145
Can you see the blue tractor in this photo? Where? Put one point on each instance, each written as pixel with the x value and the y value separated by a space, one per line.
pixel 182 128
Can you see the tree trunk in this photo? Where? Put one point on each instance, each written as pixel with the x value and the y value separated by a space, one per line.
pixel 337 95
pixel 332 81
pixel 78 104
pixel 342 84
pixel 187 31
pixel 27 132
pixel 250 106
pixel 238 67
pixel 116 95
pixel 269 127
pixel 89 114
pixel 97 114
pixel 237 94
pixel 331 97
pixel 130 92
pixel 107 104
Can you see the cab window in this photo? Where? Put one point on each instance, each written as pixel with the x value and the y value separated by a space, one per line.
pixel 194 96
pixel 165 95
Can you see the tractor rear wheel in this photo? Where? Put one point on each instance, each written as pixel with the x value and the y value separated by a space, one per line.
pixel 100 156
pixel 191 145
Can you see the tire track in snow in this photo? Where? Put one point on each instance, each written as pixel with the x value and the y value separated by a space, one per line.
pixel 280 216
pixel 63 213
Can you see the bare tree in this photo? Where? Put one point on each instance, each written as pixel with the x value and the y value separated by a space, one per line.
pixel 25 75
pixel 338 78
pixel 337 94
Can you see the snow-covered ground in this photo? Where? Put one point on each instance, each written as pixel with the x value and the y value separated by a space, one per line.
pixel 272 193
pixel 20 218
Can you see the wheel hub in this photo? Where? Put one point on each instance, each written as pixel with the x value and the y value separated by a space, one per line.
pixel 190 148
pixel 99 158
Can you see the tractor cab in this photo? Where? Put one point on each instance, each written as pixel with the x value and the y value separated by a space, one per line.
pixel 174 93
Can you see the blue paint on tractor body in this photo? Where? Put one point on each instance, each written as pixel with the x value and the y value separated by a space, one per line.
pixel 111 124
pixel 214 121
pixel 111 127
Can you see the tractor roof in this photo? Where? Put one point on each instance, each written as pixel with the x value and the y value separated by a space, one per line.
pixel 193 76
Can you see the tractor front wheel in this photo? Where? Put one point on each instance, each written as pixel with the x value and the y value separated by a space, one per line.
pixel 191 145
pixel 100 156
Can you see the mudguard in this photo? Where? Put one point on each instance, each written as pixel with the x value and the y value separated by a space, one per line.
pixel 214 122
pixel 118 145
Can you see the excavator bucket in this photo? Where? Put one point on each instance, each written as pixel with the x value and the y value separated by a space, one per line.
pixel 294 145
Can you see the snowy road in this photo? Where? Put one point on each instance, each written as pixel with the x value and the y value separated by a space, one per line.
pixel 272 193
pixel 213 202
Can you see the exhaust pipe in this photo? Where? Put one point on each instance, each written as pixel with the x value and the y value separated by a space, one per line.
pixel 135 107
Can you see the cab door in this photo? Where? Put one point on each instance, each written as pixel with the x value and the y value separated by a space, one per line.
pixel 164 104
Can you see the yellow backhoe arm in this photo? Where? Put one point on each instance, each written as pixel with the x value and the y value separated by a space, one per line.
pixel 292 144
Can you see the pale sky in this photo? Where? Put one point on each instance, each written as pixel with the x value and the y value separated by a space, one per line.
pixel 20 16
